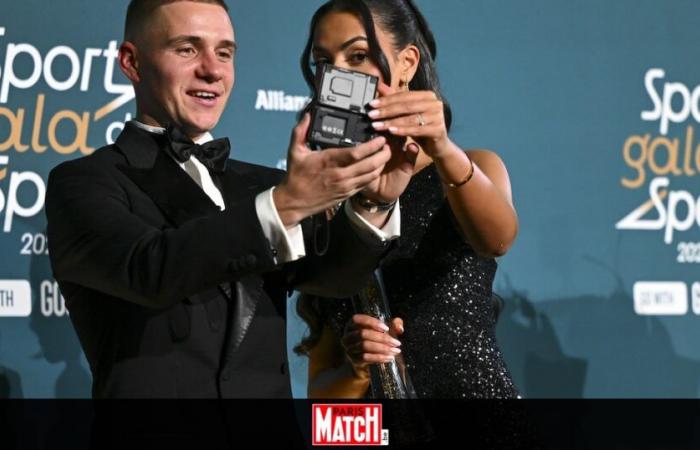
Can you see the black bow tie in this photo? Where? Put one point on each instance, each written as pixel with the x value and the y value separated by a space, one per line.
pixel 212 154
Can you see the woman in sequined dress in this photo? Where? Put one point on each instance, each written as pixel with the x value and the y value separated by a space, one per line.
pixel 457 216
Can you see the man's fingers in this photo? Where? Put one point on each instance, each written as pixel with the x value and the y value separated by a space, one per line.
pixel 353 178
pixel 370 164
pixel 300 131
pixel 362 181
pixel 343 157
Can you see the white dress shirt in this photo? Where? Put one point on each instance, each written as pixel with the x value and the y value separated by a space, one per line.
pixel 288 242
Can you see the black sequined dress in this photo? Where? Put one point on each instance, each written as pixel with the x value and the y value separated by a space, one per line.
pixel 442 290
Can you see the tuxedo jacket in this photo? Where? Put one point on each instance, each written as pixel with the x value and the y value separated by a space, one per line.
pixel 171 297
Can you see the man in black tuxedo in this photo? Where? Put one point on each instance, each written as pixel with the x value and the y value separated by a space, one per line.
pixel 176 262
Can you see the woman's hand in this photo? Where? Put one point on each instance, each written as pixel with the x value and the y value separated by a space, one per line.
pixel 369 341
pixel 416 114
pixel 398 170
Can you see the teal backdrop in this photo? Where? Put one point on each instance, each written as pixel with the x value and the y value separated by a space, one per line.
pixel 593 105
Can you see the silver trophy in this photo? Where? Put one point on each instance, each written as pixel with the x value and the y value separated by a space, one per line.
pixel 387 380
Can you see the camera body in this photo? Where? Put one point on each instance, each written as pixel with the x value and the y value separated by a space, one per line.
pixel 339 111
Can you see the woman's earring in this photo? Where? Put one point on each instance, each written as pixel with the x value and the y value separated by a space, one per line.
pixel 404 84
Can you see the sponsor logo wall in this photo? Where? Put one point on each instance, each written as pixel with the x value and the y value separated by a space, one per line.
pixel 594 106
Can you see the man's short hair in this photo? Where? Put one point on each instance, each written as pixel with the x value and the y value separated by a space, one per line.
pixel 140 11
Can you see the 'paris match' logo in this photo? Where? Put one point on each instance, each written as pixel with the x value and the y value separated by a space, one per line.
pixel 348 424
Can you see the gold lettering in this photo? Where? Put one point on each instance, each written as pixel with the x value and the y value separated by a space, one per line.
pixel 671 147
pixel 637 163
pixel 15 137
pixel 687 168
pixel 81 130
pixel 36 131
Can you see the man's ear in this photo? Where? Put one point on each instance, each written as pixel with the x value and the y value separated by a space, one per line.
pixel 129 61
pixel 409 58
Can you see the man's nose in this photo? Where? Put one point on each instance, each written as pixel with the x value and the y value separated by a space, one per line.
pixel 211 68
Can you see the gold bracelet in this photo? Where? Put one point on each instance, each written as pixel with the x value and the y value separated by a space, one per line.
pixel 466 179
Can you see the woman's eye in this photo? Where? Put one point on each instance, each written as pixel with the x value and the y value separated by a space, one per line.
pixel 358 58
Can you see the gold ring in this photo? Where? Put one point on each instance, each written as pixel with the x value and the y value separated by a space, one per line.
pixel 421 121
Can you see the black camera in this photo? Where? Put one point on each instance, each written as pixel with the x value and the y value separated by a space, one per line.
pixel 338 112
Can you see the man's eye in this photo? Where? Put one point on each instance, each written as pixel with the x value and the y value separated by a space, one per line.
pixel 185 51
pixel 225 55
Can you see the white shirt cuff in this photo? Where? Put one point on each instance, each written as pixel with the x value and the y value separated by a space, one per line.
pixel 391 229
pixel 287 244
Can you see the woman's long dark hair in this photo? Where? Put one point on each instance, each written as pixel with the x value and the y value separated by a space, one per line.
pixel 403 21
pixel 399 18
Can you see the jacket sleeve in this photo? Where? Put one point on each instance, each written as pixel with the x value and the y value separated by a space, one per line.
pixel 95 240
pixel 346 267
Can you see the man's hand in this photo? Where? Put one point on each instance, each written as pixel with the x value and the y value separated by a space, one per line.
pixel 319 180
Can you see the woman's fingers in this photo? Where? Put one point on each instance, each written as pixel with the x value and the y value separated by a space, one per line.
pixel 355 337
pixel 424 120
pixel 390 98
pixel 373 348
pixel 368 340
pixel 406 108
pixel 396 326
pixel 365 321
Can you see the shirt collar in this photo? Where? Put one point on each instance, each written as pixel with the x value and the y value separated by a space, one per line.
pixel 206 137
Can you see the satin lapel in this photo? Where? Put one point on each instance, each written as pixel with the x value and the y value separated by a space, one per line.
pixel 248 292
pixel 237 183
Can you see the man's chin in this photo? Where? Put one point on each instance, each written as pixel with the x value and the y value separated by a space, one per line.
pixel 194 130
